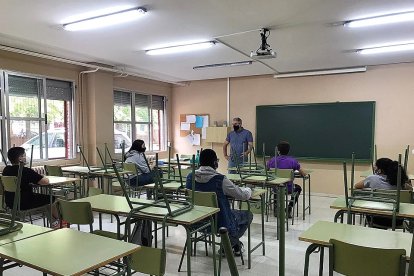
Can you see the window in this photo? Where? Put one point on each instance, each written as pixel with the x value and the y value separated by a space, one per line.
pixel 38 115
pixel 139 116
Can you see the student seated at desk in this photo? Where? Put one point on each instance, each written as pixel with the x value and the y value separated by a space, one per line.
pixel 283 161
pixel 28 199
pixel 385 178
pixel 136 155
pixel 207 179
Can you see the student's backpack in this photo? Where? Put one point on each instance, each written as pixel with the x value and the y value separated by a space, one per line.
pixel 142 233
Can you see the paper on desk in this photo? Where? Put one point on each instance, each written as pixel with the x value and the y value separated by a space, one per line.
pixel 196 141
pixel 204 133
pixel 185 126
pixel 191 119
pixel 205 121
pixel 190 138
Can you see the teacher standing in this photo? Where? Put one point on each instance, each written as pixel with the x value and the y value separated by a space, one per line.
pixel 241 144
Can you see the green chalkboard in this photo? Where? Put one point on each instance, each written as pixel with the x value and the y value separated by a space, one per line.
pixel 329 131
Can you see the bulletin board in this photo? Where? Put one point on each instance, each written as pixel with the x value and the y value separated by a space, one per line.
pixel 194 124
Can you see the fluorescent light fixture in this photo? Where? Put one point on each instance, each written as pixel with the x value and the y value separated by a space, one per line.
pixel 387 49
pixel 321 72
pixel 383 19
pixel 220 65
pixel 104 20
pixel 180 48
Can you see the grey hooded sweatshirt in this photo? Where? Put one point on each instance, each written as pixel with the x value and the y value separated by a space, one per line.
pixel 137 158
pixel 205 173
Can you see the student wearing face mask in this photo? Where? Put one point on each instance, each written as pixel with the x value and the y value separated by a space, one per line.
pixel 385 178
pixel 136 155
pixel 241 144
pixel 207 179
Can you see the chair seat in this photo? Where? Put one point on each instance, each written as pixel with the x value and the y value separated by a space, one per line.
pixel 108 234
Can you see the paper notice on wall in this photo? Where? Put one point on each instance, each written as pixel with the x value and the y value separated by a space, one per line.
pixel 185 126
pixel 191 119
pixel 199 121
pixel 196 140
pixel 204 133
pixel 205 121
pixel 190 138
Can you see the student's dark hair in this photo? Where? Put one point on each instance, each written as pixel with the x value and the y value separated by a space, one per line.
pixel 390 169
pixel 137 145
pixel 14 153
pixel 283 147
pixel 208 157
pixel 237 119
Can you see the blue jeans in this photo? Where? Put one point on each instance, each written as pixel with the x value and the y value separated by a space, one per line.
pixel 243 219
pixel 143 179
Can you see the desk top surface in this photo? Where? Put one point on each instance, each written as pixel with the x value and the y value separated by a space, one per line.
pixel 27 231
pixel 112 204
pixel 322 231
pixel 371 207
pixel 80 169
pixel 53 251
pixel 56 180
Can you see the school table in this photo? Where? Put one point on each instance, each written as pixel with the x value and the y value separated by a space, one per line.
pixel 28 230
pixel 118 206
pixel 173 161
pixel 372 208
pixel 321 232
pixel 107 174
pixel 52 252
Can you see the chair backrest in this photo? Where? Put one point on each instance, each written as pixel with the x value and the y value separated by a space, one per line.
pixel 9 183
pixel 53 170
pixel 92 191
pixel 149 260
pixel 284 173
pixel 207 199
pixel 350 259
pixel 75 212
pixel 132 167
pixel 228 251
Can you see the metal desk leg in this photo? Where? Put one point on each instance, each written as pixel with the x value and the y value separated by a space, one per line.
pixel 303 198
pixel 213 238
pixel 411 264
pixel 321 255
pixel 312 247
pixel 51 202
pixel 281 219
pixel 262 202
pixel 309 193
pixel 189 250
pixel 249 243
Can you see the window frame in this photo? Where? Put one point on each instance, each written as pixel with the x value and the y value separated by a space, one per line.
pixel 149 123
pixel 6 119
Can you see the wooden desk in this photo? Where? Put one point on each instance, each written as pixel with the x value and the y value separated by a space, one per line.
pixel 53 252
pixel 372 208
pixel 117 205
pixel 27 231
pixel 321 232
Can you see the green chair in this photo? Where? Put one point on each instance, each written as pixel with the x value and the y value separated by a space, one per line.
pixel 228 251
pixel 9 184
pixel 354 260
pixel 283 173
pixel 57 171
pixel 207 199
pixel 149 260
pixel 80 213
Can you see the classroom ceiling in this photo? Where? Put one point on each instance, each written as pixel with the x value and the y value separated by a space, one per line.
pixel 304 33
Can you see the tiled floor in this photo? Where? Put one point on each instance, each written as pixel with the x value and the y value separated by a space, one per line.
pixel 261 265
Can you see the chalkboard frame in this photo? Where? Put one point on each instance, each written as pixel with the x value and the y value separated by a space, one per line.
pixel 370 104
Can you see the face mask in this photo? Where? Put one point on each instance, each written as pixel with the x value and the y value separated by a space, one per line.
pixel 236 127
pixel 143 149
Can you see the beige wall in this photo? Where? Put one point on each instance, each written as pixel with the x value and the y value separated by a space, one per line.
pixel 96 92
pixel 392 87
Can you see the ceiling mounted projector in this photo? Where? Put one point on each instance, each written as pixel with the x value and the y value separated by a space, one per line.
pixel 264 51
